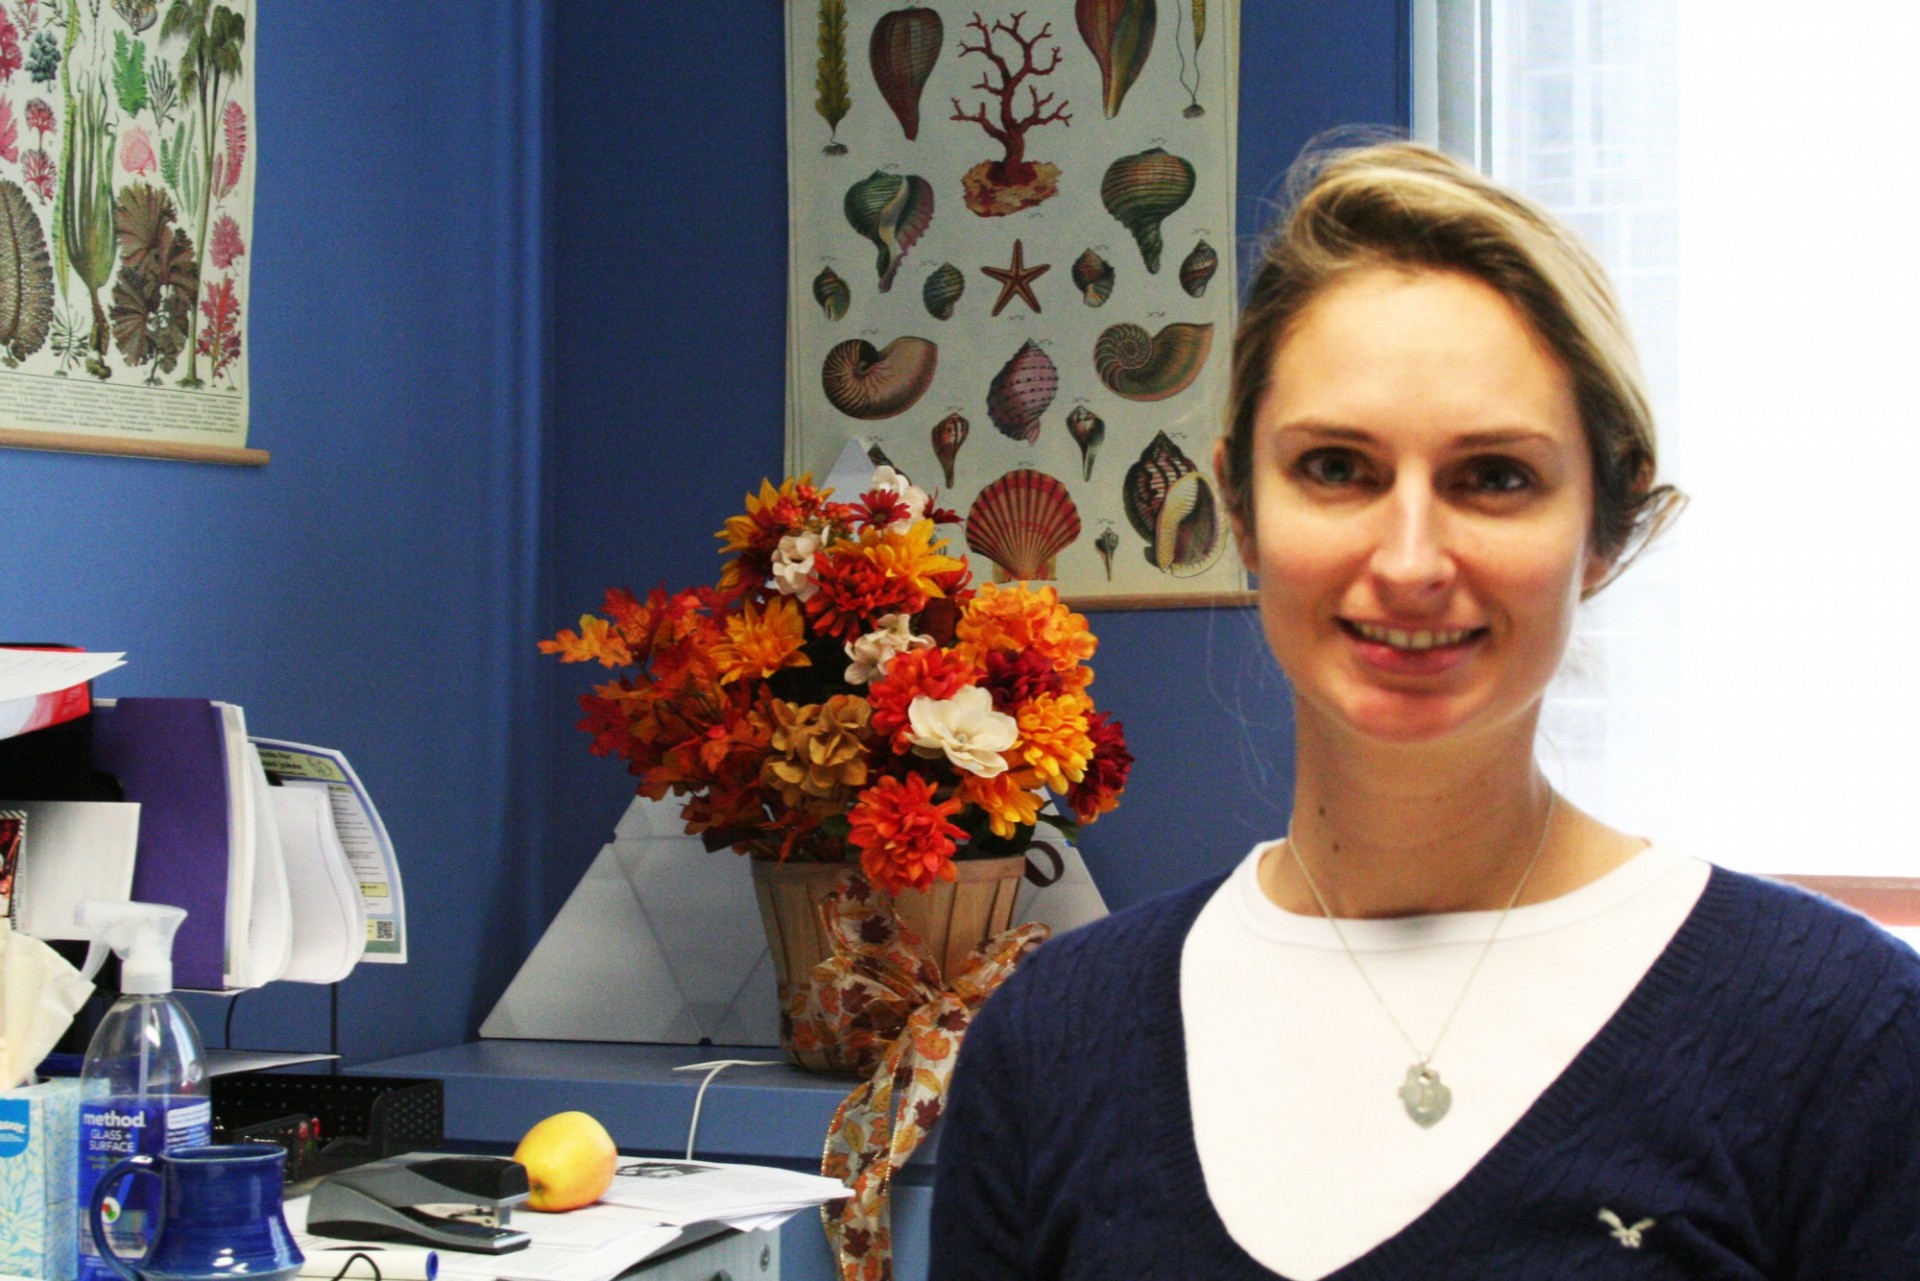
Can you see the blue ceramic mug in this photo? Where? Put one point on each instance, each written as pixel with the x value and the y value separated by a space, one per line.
pixel 220 1215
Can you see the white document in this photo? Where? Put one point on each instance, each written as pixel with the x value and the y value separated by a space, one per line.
pixel 28 673
pixel 361 833
pixel 241 838
pixel 75 850
pixel 686 1192
pixel 329 917
pixel 270 922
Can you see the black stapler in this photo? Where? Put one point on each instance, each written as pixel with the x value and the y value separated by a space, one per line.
pixel 446 1202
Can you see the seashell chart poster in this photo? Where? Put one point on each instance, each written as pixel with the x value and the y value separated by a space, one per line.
pixel 126 185
pixel 1012 274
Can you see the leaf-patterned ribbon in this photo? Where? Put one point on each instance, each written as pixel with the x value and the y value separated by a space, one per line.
pixel 881 976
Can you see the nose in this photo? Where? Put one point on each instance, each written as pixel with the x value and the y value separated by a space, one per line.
pixel 1412 562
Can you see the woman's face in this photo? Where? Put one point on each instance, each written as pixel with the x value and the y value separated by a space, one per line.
pixel 1421 496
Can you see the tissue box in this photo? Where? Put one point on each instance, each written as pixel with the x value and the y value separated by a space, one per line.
pixel 39 1180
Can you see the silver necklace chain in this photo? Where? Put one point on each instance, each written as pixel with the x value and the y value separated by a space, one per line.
pixel 1425 1096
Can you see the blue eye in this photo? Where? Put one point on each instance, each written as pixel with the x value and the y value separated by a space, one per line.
pixel 1330 466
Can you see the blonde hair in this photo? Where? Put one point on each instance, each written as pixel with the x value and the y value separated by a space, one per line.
pixel 1403 205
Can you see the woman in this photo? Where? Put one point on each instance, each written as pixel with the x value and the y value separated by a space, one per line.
pixel 1450 1026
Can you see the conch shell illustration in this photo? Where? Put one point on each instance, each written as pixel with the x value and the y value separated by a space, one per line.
pixel 1120 34
pixel 862 382
pixel 1021 392
pixel 1142 366
pixel 1020 522
pixel 1141 190
pixel 1087 430
pixel 1106 545
pixel 893 211
pixel 942 290
pixel 1198 268
pixel 1093 277
pixel 904 47
pixel 831 293
pixel 948 435
pixel 1171 503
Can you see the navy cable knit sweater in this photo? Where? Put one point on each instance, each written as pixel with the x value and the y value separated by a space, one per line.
pixel 1757 1098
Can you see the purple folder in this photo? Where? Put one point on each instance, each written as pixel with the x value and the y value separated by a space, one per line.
pixel 170 755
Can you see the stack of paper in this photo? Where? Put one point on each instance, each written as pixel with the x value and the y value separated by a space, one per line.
pixel 42 687
pixel 740 1196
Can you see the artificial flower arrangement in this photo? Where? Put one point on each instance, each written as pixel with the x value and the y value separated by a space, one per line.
pixel 846 688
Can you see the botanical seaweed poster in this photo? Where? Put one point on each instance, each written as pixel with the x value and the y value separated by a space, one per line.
pixel 126 217
pixel 1012 273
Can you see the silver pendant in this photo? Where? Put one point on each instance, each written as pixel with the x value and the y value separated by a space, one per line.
pixel 1426 1096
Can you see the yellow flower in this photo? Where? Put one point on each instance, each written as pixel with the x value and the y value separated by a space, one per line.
pixel 820 749
pixel 913 557
pixel 1054 738
pixel 1018 617
pixel 762 641
pixel 772 511
pixel 1009 800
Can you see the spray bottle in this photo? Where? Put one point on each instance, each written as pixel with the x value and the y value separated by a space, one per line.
pixel 143 1087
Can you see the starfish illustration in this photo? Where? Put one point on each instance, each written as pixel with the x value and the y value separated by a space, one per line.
pixel 1016 279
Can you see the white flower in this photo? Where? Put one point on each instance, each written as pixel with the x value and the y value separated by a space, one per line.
pixel 965 727
pixel 872 652
pixel 793 562
pixel 911 496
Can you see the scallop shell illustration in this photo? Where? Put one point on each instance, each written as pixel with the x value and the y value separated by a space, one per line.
pixel 1093 276
pixel 904 47
pixel 948 435
pixel 831 293
pixel 1143 366
pixel 1087 430
pixel 1120 34
pixel 1106 545
pixel 1171 503
pixel 893 211
pixel 1020 522
pixel 1141 190
pixel 862 382
pixel 1021 392
pixel 942 290
pixel 1198 268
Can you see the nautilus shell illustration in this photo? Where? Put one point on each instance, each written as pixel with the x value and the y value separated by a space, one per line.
pixel 1093 277
pixel 1107 544
pixel 1197 269
pixel 1141 190
pixel 831 293
pixel 1088 430
pixel 1120 34
pixel 1142 366
pixel 942 290
pixel 904 47
pixel 864 382
pixel 893 211
pixel 1020 522
pixel 948 435
pixel 1021 392
pixel 1171 503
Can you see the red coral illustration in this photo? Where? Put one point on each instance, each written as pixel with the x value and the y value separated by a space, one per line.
pixel 40 120
pixel 225 244
pixel 11 59
pixel 136 153
pixel 1012 183
pixel 38 171
pixel 227 167
pixel 9 131
pixel 220 336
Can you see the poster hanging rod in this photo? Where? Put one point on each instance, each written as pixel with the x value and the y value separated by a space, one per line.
pixel 173 451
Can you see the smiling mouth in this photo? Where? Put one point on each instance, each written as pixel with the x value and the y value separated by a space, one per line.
pixel 1414 640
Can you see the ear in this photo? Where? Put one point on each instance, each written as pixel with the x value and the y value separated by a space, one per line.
pixel 1242 536
pixel 1593 576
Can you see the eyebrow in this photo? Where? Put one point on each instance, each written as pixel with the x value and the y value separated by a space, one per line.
pixel 1488 438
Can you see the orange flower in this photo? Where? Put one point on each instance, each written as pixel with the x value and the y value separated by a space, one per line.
pixel 1018 617
pixel 762 641
pixel 1054 738
pixel 1008 798
pixel 930 673
pixel 877 573
pixel 770 516
pixel 905 839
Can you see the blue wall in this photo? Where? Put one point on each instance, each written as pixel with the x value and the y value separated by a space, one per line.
pixel 447 484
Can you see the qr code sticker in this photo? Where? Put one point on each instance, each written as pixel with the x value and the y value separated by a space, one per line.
pixel 380 931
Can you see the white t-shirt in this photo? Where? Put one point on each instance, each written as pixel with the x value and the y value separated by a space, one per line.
pixel 1294 1069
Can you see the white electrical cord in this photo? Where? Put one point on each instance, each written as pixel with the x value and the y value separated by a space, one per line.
pixel 715 1068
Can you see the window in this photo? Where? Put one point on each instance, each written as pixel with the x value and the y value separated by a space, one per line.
pixel 1751 689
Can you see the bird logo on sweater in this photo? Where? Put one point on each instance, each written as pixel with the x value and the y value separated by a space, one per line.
pixel 1626 1236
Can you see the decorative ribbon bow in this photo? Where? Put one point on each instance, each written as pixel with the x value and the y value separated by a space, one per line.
pixel 881 991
